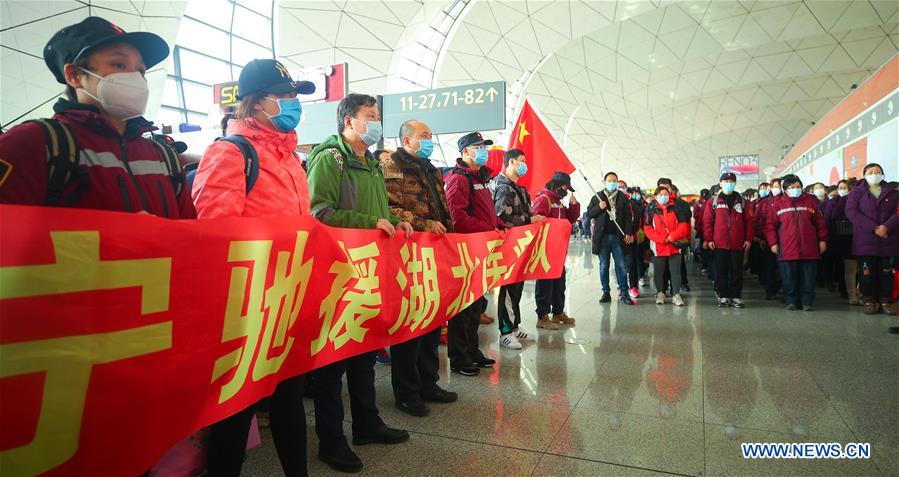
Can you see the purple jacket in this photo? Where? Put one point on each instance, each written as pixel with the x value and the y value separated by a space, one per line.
pixel 866 213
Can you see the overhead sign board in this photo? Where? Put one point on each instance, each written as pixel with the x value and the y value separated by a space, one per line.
pixel 473 107
pixel 745 167
pixel 319 120
pixel 330 85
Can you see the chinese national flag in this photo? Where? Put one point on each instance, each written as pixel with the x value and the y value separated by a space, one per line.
pixel 544 155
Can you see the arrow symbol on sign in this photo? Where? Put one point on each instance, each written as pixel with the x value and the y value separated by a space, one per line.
pixel 491 93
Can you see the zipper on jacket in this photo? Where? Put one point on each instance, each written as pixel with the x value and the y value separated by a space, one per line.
pixel 798 231
pixel 140 192
pixel 126 198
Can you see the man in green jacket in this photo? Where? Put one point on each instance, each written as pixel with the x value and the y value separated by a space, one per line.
pixel 346 189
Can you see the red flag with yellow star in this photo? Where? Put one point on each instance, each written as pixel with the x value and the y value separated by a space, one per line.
pixel 543 153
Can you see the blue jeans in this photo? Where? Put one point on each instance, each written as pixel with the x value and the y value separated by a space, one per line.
pixel 799 281
pixel 611 246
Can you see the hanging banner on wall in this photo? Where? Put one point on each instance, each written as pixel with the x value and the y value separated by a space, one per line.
pixel 123 333
pixel 746 166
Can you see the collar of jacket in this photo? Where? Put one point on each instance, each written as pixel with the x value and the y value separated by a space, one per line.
pixel 483 173
pixel 250 128
pixel 410 163
pixel 502 177
pixel 552 195
pixel 90 116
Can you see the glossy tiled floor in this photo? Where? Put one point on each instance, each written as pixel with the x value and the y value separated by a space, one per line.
pixel 655 390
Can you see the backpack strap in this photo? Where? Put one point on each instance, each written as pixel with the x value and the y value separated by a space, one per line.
pixel 470 208
pixel 172 165
pixel 63 162
pixel 250 158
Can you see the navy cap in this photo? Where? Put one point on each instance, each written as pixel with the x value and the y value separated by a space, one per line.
pixel 473 139
pixel 72 42
pixel 563 178
pixel 729 176
pixel 269 76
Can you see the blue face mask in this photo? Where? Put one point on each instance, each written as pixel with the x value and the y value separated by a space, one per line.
pixel 794 193
pixel 425 148
pixel 662 199
pixel 288 116
pixel 480 156
pixel 636 196
pixel 728 187
pixel 522 169
pixel 611 186
pixel 372 134
pixel 763 193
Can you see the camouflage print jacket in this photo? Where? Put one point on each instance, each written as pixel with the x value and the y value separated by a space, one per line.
pixel 512 202
pixel 415 192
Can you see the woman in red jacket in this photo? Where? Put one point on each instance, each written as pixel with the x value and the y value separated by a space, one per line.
pixel 795 229
pixel 728 229
pixel 668 227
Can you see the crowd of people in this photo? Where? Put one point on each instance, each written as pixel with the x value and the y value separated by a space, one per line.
pixel 95 154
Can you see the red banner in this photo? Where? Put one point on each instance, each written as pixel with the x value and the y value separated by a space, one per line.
pixel 121 334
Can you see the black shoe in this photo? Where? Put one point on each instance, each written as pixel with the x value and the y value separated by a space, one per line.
pixel 466 370
pixel 413 408
pixel 441 396
pixel 384 435
pixel 791 307
pixel 341 459
pixel 485 362
pixel 894 330
pixel 625 299
pixel 606 298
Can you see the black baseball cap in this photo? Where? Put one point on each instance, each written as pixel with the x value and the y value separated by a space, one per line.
pixel 170 141
pixel 473 139
pixel 729 176
pixel 74 41
pixel 563 178
pixel 269 76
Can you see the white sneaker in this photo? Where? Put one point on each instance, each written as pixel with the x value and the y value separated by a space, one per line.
pixel 677 300
pixel 660 298
pixel 642 282
pixel 521 335
pixel 509 341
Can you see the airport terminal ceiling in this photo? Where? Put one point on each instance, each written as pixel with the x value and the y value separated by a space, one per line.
pixel 631 86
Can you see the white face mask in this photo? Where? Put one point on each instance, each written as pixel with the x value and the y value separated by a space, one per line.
pixel 121 95
pixel 874 178
pixel 842 192
pixel 775 191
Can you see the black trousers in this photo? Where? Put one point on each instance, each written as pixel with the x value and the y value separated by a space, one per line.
pixel 327 387
pixel 509 308
pixel 228 437
pixel 772 274
pixel 729 273
pixel 634 255
pixel 550 296
pixel 875 278
pixel 462 337
pixel 414 367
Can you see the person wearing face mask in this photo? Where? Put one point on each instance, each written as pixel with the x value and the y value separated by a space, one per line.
pixel 770 273
pixel 612 229
pixel 668 227
pixel 698 209
pixel 729 230
pixel 415 194
pixel 347 190
pixel 100 125
pixel 472 210
pixel 839 230
pixel 872 209
pixel 550 294
pixel 265 120
pixel 795 230
pixel 632 252
pixel 513 206
pixel 756 263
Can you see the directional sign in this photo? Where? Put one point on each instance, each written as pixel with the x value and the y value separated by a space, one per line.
pixel 473 107
pixel 319 120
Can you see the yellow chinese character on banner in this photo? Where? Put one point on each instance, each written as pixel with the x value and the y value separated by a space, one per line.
pixel 362 298
pixel 538 255
pixel 277 308
pixel 421 298
pixel 493 271
pixel 67 362
pixel 465 270
pixel 519 248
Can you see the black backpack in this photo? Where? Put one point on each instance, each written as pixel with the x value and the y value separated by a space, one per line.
pixel 64 163
pixel 250 162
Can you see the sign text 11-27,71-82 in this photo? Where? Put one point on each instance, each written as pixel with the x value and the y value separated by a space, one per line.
pixel 448 99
